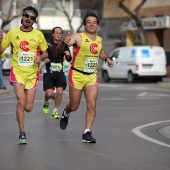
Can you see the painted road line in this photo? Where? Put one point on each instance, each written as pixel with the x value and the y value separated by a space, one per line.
pixel 138 132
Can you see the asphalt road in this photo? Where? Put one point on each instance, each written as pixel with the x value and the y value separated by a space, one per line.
pixel 127 128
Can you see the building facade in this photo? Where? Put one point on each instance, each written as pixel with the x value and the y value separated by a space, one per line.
pixel 155 15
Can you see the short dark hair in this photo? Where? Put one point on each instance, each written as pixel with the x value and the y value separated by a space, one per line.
pixel 31 9
pixel 55 28
pixel 91 14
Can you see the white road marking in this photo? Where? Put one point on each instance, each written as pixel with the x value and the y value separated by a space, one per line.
pixel 114 99
pixel 8 113
pixel 138 132
pixel 153 94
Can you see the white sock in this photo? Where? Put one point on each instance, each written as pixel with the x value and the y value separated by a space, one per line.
pixel 66 114
pixel 55 110
pixel 86 130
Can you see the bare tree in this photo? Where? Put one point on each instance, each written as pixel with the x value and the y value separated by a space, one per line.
pixel 6 9
pixel 12 9
pixel 135 15
pixel 84 6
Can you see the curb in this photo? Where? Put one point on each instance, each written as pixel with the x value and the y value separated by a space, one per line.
pixel 165 131
pixel 165 85
pixel 4 91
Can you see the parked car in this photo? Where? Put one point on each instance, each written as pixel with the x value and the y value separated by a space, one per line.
pixel 7 64
pixel 136 62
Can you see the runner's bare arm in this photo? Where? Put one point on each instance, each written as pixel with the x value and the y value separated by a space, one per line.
pixel 61 45
pixel 105 57
pixel 42 57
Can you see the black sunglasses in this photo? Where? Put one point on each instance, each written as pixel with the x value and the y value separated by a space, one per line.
pixel 29 16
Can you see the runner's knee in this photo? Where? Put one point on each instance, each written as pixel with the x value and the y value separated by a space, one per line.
pixel 28 107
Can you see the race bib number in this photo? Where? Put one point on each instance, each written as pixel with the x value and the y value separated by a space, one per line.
pixel 90 65
pixel 56 67
pixel 25 59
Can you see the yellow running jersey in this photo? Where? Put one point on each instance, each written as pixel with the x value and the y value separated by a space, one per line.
pixel 85 57
pixel 25 46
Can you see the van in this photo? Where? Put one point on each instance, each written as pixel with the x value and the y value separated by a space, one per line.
pixel 136 62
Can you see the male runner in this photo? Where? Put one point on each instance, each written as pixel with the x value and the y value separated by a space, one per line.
pixel 53 76
pixel 83 73
pixel 26 43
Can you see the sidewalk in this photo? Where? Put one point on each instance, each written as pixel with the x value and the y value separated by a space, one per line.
pixel 4 91
pixel 165 84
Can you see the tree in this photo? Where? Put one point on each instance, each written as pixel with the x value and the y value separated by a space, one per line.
pixel 135 15
pixel 84 6
pixel 13 9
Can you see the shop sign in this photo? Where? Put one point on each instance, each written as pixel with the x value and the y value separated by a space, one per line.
pixel 148 23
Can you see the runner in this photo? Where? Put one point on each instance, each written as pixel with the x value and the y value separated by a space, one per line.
pixel 83 73
pixel 54 77
pixel 26 43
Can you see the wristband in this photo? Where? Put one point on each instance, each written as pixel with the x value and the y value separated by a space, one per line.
pixel 106 59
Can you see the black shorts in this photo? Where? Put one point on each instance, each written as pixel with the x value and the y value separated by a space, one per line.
pixel 55 79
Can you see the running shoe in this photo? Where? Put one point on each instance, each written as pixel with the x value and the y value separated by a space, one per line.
pixel 55 115
pixel 88 138
pixel 22 139
pixel 45 108
pixel 63 121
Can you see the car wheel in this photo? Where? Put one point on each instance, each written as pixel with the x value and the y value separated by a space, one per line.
pixel 105 76
pixel 130 77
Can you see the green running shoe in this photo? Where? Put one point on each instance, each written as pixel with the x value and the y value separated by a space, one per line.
pixel 55 115
pixel 22 139
pixel 45 108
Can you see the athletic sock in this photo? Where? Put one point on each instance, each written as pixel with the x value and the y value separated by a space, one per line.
pixel 21 133
pixel 66 114
pixel 86 130
pixel 55 110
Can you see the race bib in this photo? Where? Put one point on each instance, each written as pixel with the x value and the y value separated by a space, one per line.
pixel 56 67
pixel 90 65
pixel 25 59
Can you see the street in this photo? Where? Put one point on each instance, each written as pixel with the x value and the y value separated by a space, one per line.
pixel 126 128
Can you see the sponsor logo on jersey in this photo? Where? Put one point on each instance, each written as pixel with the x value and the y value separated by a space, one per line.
pixel 92 48
pixel 23 46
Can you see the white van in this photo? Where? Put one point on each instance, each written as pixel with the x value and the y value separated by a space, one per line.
pixel 135 62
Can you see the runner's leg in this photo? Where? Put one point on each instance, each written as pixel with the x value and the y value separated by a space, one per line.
pixel 58 99
pixel 91 93
pixel 20 94
pixel 74 96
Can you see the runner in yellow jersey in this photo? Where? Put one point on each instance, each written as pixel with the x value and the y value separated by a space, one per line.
pixel 26 43
pixel 83 73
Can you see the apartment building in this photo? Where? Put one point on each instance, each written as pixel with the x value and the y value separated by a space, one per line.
pixel 155 16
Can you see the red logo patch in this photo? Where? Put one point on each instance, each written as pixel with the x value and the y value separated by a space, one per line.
pixel 23 46
pixel 92 48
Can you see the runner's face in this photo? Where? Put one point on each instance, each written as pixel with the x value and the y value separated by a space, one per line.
pixel 91 25
pixel 57 35
pixel 28 19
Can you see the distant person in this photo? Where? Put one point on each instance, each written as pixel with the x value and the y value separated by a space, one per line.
pixel 2 59
pixel 53 77
pixel 83 73
pixel 26 42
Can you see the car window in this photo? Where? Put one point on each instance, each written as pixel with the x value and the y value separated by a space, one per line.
pixel 115 55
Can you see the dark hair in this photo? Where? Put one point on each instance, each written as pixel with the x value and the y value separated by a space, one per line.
pixel 91 14
pixel 55 28
pixel 31 9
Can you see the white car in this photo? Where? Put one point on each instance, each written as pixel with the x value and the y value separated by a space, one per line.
pixel 7 65
pixel 136 62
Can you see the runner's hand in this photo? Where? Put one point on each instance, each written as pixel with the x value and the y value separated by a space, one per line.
pixel 47 60
pixel 67 38
pixel 110 62
pixel 37 60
